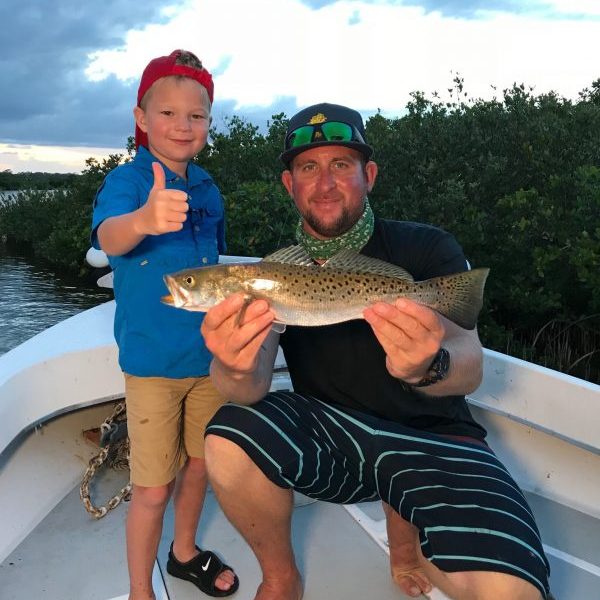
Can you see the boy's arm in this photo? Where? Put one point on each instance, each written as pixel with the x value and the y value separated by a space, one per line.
pixel 165 211
pixel 243 353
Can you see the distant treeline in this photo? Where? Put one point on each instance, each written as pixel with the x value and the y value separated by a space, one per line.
pixel 35 181
pixel 516 179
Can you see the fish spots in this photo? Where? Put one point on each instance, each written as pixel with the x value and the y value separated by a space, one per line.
pixel 319 295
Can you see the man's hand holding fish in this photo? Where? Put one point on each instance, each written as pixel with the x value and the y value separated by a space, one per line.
pixel 410 334
pixel 237 334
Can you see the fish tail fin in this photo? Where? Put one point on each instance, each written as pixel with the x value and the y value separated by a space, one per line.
pixel 462 295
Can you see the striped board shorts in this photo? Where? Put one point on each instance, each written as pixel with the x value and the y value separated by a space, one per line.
pixel 470 513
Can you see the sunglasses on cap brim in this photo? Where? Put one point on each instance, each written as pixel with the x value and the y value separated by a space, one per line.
pixel 330 131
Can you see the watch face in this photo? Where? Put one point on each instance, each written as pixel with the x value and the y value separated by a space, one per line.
pixel 441 363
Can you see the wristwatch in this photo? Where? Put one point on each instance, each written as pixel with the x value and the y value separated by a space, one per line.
pixel 438 369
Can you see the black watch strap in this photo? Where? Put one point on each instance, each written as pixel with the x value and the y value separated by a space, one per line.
pixel 438 370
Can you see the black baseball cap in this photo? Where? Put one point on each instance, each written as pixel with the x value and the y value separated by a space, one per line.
pixel 324 125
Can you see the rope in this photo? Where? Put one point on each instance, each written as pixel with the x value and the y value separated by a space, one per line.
pixel 114 444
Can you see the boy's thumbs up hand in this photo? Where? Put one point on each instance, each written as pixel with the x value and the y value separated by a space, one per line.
pixel 159 177
pixel 165 210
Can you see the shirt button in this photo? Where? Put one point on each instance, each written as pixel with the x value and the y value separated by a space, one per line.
pixel 204 259
pixel 196 228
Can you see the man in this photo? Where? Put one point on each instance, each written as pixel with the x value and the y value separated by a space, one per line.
pixel 378 408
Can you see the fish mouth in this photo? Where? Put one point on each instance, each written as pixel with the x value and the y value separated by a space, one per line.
pixel 175 298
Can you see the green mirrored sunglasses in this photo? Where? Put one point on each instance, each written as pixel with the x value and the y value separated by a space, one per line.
pixel 330 131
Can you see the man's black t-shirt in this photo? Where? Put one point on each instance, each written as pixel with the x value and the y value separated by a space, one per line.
pixel 344 364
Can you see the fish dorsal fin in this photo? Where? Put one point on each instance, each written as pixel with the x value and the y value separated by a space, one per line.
pixel 291 255
pixel 359 263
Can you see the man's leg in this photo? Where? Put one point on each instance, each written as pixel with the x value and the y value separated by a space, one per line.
pixel 483 585
pixel 143 530
pixel 469 517
pixel 188 500
pixel 407 562
pixel 261 511
pixel 415 574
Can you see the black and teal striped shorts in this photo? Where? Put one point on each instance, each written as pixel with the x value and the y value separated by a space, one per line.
pixel 470 513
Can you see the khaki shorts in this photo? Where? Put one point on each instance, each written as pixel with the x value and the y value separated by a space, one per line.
pixel 166 419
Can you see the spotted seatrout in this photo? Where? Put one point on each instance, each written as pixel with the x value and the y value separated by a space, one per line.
pixel 301 293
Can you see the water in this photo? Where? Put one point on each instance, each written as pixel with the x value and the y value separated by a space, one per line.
pixel 33 297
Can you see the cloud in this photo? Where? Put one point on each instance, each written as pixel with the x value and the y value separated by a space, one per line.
pixel 372 54
pixel 44 48
pixel 70 73
pixel 468 8
pixel 49 159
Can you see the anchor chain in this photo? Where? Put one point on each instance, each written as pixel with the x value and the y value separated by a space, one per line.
pixel 114 450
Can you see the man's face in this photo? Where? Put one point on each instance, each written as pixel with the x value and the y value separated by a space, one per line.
pixel 328 185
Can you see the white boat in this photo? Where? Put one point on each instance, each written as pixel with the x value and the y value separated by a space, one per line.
pixel 544 425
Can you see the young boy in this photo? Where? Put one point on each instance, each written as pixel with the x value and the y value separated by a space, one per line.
pixel 158 214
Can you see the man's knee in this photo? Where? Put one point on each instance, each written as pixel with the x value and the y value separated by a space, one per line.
pixel 218 449
pixel 225 460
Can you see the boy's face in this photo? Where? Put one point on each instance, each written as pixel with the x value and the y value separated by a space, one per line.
pixel 176 117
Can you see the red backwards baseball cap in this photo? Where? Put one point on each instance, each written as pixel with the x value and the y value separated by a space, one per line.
pixel 163 66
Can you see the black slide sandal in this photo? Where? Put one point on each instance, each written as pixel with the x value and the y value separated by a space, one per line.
pixel 202 571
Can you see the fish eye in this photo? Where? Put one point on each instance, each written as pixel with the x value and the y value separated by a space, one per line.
pixel 189 280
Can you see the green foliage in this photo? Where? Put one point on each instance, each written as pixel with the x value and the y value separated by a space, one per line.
pixel 56 224
pixel 35 181
pixel 261 218
pixel 241 154
pixel 245 166
pixel 516 180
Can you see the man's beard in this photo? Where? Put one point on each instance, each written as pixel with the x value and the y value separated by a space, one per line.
pixel 346 221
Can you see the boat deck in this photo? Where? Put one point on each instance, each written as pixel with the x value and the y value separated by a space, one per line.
pixel 71 556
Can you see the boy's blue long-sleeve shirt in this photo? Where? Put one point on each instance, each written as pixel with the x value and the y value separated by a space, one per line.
pixel 156 340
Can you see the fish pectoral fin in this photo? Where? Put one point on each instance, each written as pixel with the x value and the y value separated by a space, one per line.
pixel 359 263
pixel 278 327
pixel 291 255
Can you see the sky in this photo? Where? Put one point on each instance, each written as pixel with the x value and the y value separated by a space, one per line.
pixel 69 72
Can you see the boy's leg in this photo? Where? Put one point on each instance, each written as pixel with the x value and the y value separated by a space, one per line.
pixel 153 426
pixel 143 531
pixel 200 404
pixel 188 500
